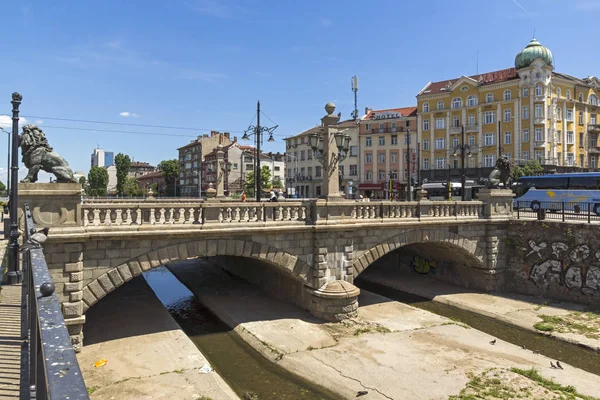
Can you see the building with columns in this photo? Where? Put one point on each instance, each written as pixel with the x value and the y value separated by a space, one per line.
pixel 529 112
pixel 383 148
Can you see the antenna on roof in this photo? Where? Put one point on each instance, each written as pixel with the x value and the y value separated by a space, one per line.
pixel 355 90
pixel 533 33
pixel 477 73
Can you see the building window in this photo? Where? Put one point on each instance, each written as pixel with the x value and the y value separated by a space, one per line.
pixel 525 112
pixel 539 136
pixel 368 141
pixel 507 137
pixel 394 139
pixel 440 105
pixel 471 140
pixel 489 139
pixel 309 153
pixel 580 141
pixel 508 155
pixel 558 113
pixel 456 102
pixel 426 163
pixel 308 171
pixel 382 140
pixel 489 98
pixel 489 160
pixel 593 118
pixel 594 161
pixel 455 142
pixel 381 175
pixel 507 115
pixel 425 144
pixel 407 123
pixel 394 126
pixel 381 158
pixel 394 174
pixel 525 92
pixel 318 171
pixel 367 127
pixel 559 137
pixel 539 156
pixel 302 171
pixel 440 143
pixel 570 137
pixel 507 95
pixel 525 156
pixel 490 117
pixel 381 128
pixel 425 124
pixel 353 170
pixel 425 107
pixel 570 159
pixel 318 191
pixel 538 90
pixel 568 95
pixel 369 175
pixel 569 115
pixel 471 119
pixel 525 135
pixel 539 111
pixel 472 100
pixel 455 163
pixel 368 158
pixel 302 155
pixel 440 163
pixel 440 123
pixel 353 151
pixel 456 122
pixel 394 156
pixel 593 100
pixel 581 97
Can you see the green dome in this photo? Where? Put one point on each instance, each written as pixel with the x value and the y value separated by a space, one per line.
pixel 532 52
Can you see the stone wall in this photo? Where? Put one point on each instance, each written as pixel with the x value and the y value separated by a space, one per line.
pixel 554 259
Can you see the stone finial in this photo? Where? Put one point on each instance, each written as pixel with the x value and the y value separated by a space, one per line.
pixel 330 108
pixel 16 97
pixel 211 192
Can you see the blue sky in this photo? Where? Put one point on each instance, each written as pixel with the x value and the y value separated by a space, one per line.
pixel 203 64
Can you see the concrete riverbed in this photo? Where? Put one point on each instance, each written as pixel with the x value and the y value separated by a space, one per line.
pixel 148 356
pixel 391 351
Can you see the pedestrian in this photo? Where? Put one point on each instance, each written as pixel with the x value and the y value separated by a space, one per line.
pixel 243 197
pixel 273 196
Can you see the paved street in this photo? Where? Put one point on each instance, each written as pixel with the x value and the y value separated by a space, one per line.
pixel 10 341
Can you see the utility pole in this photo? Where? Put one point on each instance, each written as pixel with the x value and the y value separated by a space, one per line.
pixel 499 139
pixel 408 183
pixel 258 135
pixel 14 275
pixel 463 179
pixel 419 164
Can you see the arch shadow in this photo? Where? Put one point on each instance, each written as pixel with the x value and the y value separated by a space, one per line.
pixel 289 264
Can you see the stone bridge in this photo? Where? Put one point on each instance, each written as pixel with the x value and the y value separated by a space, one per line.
pixel 313 250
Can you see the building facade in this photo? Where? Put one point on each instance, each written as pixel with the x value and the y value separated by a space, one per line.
pixel 384 146
pixel 101 158
pixel 529 112
pixel 138 168
pixel 153 178
pixel 304 173
pixel 191 157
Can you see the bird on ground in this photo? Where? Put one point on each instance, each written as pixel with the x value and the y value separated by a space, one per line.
pixel 492 342
pixel 36 240
pixel 552 365
pixel 558 365
pixel 361 393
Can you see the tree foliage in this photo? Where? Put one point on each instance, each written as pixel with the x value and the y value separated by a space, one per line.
pixel 83 183
pixel 277 184
pixel 123 163
pixel 265 179
pixel 132 187
pixel 170 170
pixel 97 181
pixel 2 187
pixel 532 167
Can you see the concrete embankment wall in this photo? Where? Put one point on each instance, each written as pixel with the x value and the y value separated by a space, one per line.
pixel 554 259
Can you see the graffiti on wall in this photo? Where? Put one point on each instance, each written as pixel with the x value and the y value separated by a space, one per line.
pixel 423 266
pixel 560 265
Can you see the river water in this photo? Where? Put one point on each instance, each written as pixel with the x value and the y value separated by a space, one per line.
pixel 245 370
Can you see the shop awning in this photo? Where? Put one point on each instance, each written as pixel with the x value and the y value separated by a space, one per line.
pixel 373 186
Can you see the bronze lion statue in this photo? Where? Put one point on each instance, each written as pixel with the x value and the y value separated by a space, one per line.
pixel 38 155
pixel 501 173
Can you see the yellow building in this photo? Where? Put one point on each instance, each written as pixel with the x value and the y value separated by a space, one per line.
pixel 537 113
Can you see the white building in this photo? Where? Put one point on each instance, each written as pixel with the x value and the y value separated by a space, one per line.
pixel 101 158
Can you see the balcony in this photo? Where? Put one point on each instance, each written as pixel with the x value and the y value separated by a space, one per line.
pixel 539 120
pixel 595 149
pixel 455 130
pixel 472 128
pixel 391 130
pixel 594 127
pixel 539 143
pixel 540 98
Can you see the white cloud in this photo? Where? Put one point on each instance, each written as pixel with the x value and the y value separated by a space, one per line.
pixel 327 22
pixel 6 121
pixel 128 114
pixel 520 6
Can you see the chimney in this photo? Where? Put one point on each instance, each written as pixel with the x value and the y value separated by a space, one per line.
pixel 226 134
pixel 213 133
pixel 235 139
pixel 367 109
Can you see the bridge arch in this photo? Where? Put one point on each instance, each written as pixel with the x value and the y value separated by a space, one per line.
pixel 117 276
pixel 464 247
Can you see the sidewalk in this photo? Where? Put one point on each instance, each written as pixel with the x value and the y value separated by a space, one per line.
pixel 10 341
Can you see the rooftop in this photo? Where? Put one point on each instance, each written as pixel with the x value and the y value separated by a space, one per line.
pixel 486 78
pixel 403 112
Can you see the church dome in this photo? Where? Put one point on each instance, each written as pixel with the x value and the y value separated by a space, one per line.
pixel 532 52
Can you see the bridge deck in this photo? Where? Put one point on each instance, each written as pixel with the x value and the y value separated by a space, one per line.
pixel 10 342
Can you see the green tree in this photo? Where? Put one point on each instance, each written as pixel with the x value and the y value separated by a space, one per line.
pixel 123 163
pixel 132 187
pixel 265 179
pixel 532 167
pixel 83 183
pixel 170 170
pixel 97 181
pixel 2 187
pixel 277 183
pixel 154 187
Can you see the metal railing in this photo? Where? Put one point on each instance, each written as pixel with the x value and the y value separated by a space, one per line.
pixel 49 368
pixel 558 211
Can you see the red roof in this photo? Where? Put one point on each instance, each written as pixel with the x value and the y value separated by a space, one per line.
pixel 404 111
pixel 487 78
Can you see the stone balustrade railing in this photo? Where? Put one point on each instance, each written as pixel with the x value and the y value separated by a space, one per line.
pixel 98 214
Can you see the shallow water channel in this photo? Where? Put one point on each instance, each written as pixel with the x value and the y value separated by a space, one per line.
pixel 572 354
pixel 243 368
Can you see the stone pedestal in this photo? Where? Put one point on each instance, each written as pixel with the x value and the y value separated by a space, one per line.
pixel 335 301
pixel 497 203
pixel 211 193
pixel 421 194
pixel 51 204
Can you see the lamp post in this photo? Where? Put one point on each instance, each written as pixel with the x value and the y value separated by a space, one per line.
pixel 408 178
pixel 14 275
pixel 322 145
pixel 499 138
pixel 465 150
pixel 258 132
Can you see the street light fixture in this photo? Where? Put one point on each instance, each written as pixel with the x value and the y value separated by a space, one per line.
pixel 465 150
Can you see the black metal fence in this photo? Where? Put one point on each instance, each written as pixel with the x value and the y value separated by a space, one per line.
pixel 558 211
pixel 49 368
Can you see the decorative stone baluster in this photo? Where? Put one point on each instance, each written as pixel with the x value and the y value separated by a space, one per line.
pixel 86 216
pixel 294 211
pixel 127 219
pixel 303 213
pixel 260 213
pixel 244 214
pixel 162 212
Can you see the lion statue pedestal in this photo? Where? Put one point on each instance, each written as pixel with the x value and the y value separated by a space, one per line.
pixel 51 204
pixel 497 203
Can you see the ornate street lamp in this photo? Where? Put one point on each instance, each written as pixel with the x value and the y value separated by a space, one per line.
pixel 465 151
pixel 342 141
